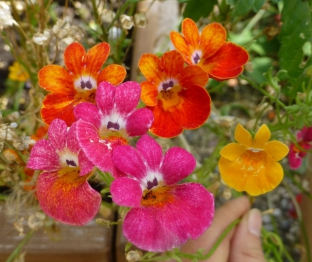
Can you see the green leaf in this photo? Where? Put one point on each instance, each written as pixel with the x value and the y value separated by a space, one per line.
pixel 242 7
pixel 195 9
pixel 258 5
pixel 296 30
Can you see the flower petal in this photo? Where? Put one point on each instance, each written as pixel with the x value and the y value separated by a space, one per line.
pixel 105 97
pixel 307 134
pixel 43 157
pixel 193 75
pixel 149 93
pixel 294 158
pixel 126 192
pixel 86 166
pixel 73 58
pixel 71 140
pixel 190 32
pixel 58 106
pixel 150 67
pixel 227 62
pixel 129 161
pixel 114 74
pixel 232 151
pixel 213 37
pixel 177 165
pixel 68 198
pixel 242 136
pixel 165 226
pixel 276 150
pixel 139 122
pixel 261 137
pixel 127 97
pixel 172 63
pixel 96 57
pixel 57 134
pixel 56 79
pixel 181 45
pixel 89 113
pixel 151 151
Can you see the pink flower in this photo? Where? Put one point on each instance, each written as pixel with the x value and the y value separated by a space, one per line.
pixel 296 154
pixel 111 122
pixel 163 214
pixel 62 188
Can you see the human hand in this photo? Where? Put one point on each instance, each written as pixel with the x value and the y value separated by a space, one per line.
pixel 242 243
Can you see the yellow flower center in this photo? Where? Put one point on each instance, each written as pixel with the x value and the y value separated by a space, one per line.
pixel 252 162
pixel 157 196
pixel 169 96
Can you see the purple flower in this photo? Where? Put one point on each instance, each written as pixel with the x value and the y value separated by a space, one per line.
pixel 63 191
pixel 163 214
pixel 111 122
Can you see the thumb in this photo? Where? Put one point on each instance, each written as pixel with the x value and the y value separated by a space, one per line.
pixel 246 243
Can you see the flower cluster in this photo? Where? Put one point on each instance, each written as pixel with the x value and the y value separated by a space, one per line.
pixel 93 115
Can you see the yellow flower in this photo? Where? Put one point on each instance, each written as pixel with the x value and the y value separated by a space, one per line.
pixel 251 164
pixel 18 72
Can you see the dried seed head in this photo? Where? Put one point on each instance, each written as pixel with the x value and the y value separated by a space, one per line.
pixel 140 20
pixel 134 255
pixel 107 16
pixel 6 18
pixel 42 38
pixel 126 22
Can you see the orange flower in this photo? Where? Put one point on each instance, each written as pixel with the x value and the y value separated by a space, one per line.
pixel 251 164
pixel 77 82
pixel 174 93
pixel 220 59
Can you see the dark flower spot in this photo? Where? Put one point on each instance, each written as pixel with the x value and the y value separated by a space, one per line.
pixel 86 84
pixel 196 58
pixel 70 162
pixel 113 125
pixel 165 86
pixel 150 184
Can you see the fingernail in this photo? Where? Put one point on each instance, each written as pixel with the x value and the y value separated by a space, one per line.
pixel 254 222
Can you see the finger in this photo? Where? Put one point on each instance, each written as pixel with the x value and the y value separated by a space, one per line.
pixel 246 243
pixel 224 216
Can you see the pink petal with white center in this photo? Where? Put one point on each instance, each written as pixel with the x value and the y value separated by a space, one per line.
pixel 151 152
pixel 126 192
pixel 129 161
pixel 86 166
pixel 105 97
pixel 294 159
pixel 168 225
pixel 71 140
pixel 57 134
pixel 89 113
pixel 139 122
pixel 98 151
pixel 43 157
pixel 177 164
pixel 307 134
pixel 127 97
pixel 67 198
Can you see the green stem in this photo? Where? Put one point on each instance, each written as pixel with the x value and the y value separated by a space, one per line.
pixel 3 197
pixel 18 249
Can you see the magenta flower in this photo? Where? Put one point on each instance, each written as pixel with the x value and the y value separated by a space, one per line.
pixel 296 154
pixel 62 188
pixel 163 214
pixel 111 122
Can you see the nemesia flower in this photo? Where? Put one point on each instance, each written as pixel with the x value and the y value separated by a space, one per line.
pixel 296 154
pixel 77 82
pixel 111 122
pixel 174 93
pixel 18 73
pixel 62 188
pixel 251 164
pixel 163 214
pixel 210 50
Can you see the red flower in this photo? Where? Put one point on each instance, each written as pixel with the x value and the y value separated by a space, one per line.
pixel 174 93
pixel 220 59
pixel 77 82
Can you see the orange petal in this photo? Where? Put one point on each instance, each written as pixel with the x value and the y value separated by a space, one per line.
pixel 56 79
pixel 166 123
pixel 114 74
pixel 195 108
pixel 150 67
pixel 276 150
pixel 181 45
pixel 212 38
pixel 261 137
pixel 227 62
pixel 73 58
pixel 58 106
pixel 172 63
pixel 232 151
pixel 192 75
pixel 242 136
pixel 96 57
pixel 149 93
pixel 190 32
